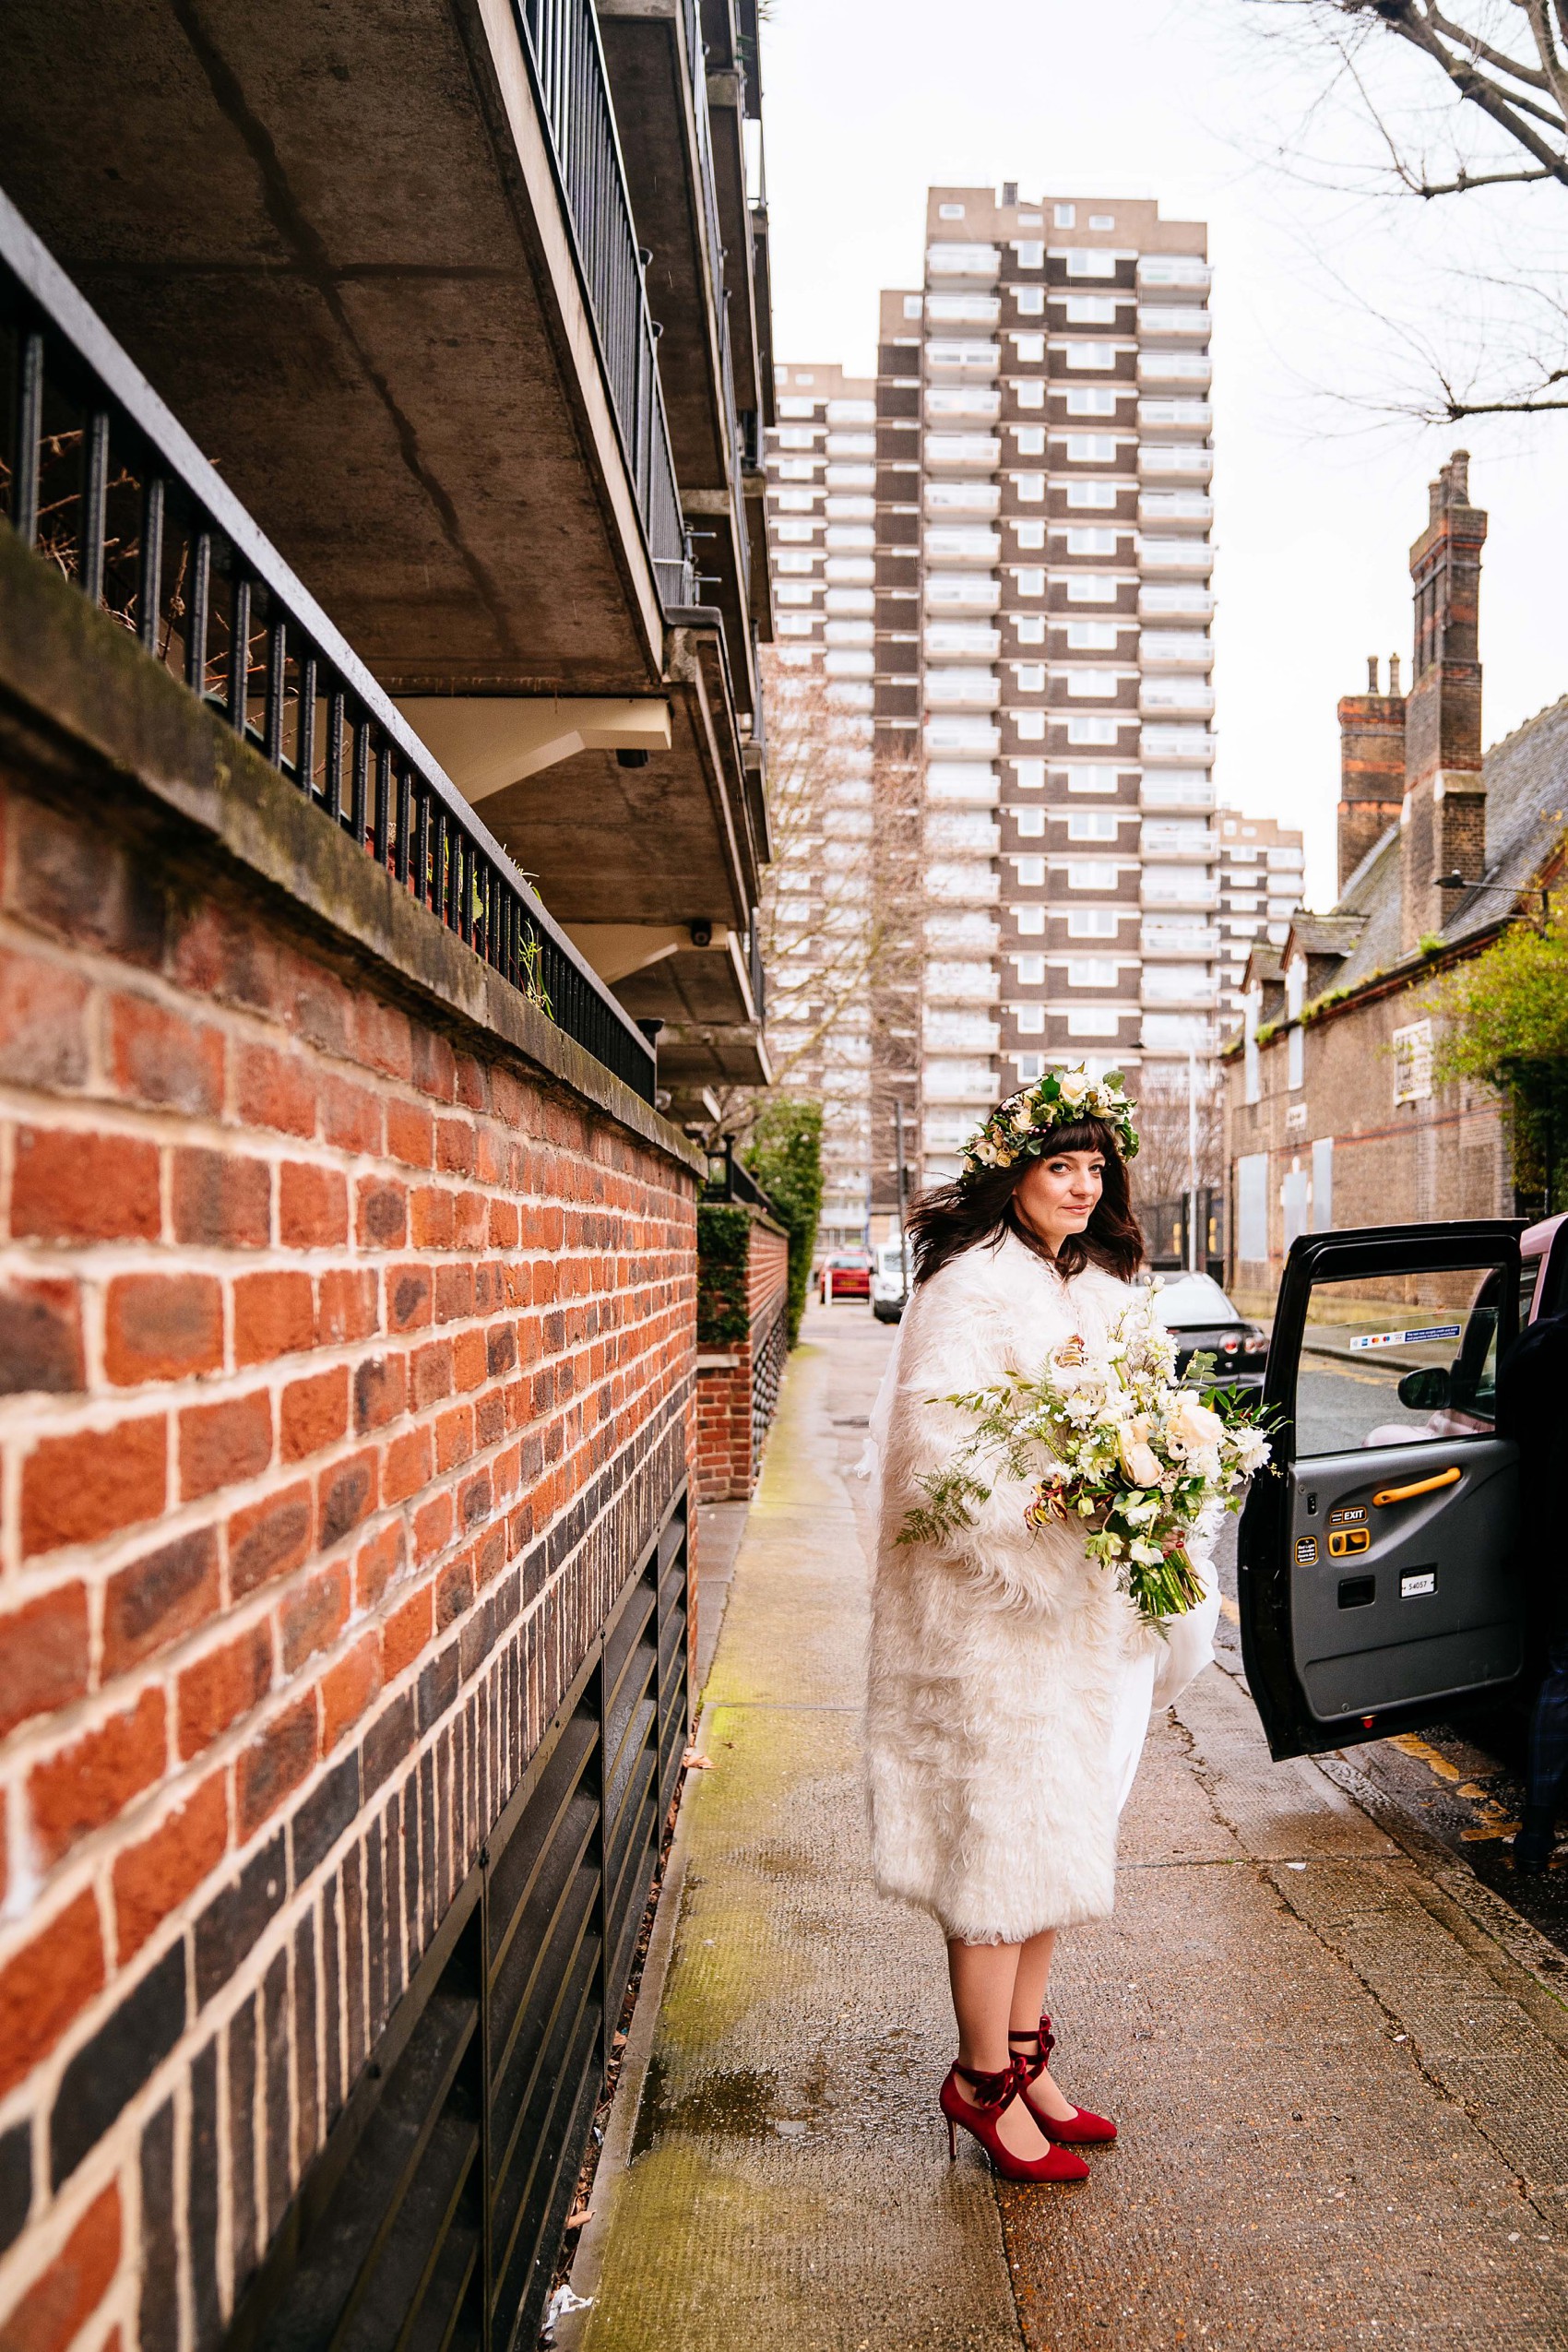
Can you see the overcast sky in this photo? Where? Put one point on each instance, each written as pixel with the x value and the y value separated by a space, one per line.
pixel 869 101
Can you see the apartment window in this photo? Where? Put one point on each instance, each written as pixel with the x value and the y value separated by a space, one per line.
pixel 1091 310
pixel 1091 449
pixel 1029 301
pixel 797 408
pixel 1031 219
pixel 1030 394
pixel 1030 1068
pixel 1102 220
pixel 1030 823
pixel 1030 970
pixel 1091 542
pixel 1412 1063
pixel 950 212
pixel 1092 731
pixel 797 469
pixel 1028 677
pixel 795 501
pixel 1028 775
pixel 1031 872
pixel 1091 873
pixel 1029 1019
pixel 804 375
pixel 1090 355
pixel 796 436
pixel 1030 627
pixel 1092 591
pixel 1029 582
pixel 1028 440
pixel 1092 824
pixel 1090 401
pixel 1091 972
pixel 1092 922
pixel 1323 1186
pixel 1066 216
pixel 846 570
pixel 1092 780
pixel 1029 348
pixel 1091 685
pixel 1029 489
pixel 1092 636
pixel 1030 921
pixel 786 560
pixel 1099 1020
pixel 1090 264
pixel 796 624
pixel 1091 493
pixel 793 592
pixel 1029 534
pixel 1029 255
pixel 912 306
pixel 1029 726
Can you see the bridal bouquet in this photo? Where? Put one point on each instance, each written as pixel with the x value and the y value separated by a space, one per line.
pixel 1114 1444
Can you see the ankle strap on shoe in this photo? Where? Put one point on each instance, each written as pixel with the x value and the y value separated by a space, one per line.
pixel 991 2090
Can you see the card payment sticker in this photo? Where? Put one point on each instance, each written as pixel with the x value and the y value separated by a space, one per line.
pixel 1406 1338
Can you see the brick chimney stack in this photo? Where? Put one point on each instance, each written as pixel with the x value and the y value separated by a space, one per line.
pixel 1371 765
pixel 1444 814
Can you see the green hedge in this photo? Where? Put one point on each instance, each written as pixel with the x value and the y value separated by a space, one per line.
pixel 785 1156
pixel 724 1236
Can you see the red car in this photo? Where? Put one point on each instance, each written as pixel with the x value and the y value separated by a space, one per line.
pixel 845 1274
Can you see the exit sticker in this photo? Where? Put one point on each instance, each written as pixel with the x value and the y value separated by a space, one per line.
pixel 1406 1338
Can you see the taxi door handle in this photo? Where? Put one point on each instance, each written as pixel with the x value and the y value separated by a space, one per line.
pixel 1422 1486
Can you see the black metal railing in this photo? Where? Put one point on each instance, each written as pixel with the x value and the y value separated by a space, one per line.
pixel 730 1179
pixel 696 68
pixel 435 2213
pixel 101 481
pixel 561 38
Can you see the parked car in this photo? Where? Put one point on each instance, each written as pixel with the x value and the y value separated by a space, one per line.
pixel 1197 1312
pixel 845 1274
pixel 888 1297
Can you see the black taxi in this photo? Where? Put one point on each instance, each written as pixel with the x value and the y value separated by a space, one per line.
pixel 1379 1580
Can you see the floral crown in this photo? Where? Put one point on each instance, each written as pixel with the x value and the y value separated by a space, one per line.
pixel 1021 1128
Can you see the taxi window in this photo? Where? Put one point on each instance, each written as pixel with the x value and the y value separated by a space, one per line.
pixel 1418 1364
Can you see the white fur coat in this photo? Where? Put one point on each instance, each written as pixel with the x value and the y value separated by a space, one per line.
pixel 1010 1683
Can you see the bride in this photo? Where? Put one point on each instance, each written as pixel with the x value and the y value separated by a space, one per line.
pixel 1010 1681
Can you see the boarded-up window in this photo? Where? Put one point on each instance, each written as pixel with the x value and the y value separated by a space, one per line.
pixel 1412 1063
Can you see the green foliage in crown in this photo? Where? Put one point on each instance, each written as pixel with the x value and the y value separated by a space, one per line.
pixel 1022 1127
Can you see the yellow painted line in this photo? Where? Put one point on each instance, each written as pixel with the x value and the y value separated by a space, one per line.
pixel 1229 1610
pixel 1412 1746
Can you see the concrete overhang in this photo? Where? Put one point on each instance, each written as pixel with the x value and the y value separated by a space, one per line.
pixel 691 1059
pixel 487 741
pixel 690 988
pixel 669 842
pixel 334 240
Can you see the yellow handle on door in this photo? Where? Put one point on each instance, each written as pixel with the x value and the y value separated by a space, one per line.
pixel 1422 1486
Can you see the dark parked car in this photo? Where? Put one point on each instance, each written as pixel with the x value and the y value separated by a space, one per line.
pixel 1201 1319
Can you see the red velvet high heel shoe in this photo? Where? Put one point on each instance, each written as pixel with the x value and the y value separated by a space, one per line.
pixel 1082 2130
pixel 981 2116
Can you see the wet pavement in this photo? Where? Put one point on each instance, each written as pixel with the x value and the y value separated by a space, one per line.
pixel 1338 2057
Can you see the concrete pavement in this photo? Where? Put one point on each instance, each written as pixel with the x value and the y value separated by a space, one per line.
pixel 1340 2064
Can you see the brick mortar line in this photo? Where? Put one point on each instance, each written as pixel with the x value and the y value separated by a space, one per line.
pixel 81 1865
pixel 300 1904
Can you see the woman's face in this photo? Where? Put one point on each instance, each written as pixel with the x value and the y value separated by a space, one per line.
pixel 1059 1192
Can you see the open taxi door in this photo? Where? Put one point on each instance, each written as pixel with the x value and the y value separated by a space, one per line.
pixel 1379 1585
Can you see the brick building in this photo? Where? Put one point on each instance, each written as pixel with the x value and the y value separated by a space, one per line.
pixel 347 1262
pixel 1334 1116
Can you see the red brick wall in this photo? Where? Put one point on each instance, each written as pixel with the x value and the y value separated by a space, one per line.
pixel 343 1368
pixel 728 1459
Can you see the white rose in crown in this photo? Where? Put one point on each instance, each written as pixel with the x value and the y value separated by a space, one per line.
pixel 1072 1086
pixel 1194 1427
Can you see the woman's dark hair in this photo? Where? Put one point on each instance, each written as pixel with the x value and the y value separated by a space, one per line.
pixel 954 1218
